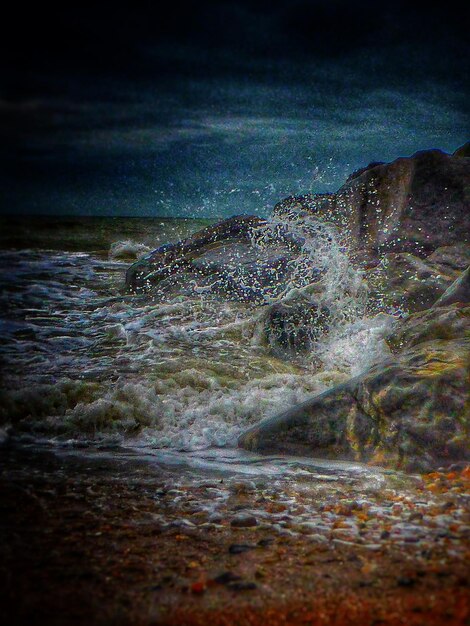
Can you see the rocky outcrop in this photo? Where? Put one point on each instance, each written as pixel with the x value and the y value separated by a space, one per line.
pixel 413 205
pixel 226 255
pixel 172 258
pixel 396 213
pixel 405 281
pixel 407 224
pixel 459 291
pixel 411 410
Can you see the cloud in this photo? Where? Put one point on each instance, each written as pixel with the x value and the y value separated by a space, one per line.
pixel 105 108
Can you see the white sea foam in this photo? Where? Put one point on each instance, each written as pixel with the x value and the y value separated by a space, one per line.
pixel 128 250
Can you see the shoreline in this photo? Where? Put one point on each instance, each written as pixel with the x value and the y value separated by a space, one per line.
pixel 102 541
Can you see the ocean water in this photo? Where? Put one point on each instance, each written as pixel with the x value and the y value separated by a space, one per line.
pixel 176 375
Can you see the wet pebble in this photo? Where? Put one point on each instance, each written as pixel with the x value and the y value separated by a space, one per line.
pixel 242 486
pixel 239 548
pixel 226 577
pixel 267 541
pixel 242 585
pixel 243 520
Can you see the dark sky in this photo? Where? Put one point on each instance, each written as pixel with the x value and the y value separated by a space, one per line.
pixel 216 108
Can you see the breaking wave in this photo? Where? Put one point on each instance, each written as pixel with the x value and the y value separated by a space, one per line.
pixel 84 360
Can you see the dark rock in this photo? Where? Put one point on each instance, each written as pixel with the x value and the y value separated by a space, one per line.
pixel 459 291
pixel 361 170
pixel 405 581
pixel 223 258
pixel 239 548
pixel 405 281
pixel 441 324
pixel 414 204
pixel 242 585
pixel 226 577
pixel 291 327
pixel 264 543
pixel 448 258
pixel 463 151
pixel 317 426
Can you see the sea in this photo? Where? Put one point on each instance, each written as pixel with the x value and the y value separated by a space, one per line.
pixel 172 377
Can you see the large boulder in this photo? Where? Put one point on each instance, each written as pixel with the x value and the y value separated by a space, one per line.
pixel 410 411
pixel 224 258
pixel 290 327
pixel 414 204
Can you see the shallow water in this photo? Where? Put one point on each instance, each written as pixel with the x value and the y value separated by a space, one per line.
pixel 174 375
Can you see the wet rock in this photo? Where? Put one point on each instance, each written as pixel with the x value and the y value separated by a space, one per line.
pixel 409 411
pixel 239 548
pixel 459 291
pixel 227 577
pixel 463 151
pixel 306 528
pixel 317 538
pixel 264 543
pixel 242 585
pixel 242 487
pixel 291 327
pixel 223 258
pixel 415 204
pixel 405 281
pixel 440 324
pixel 243 520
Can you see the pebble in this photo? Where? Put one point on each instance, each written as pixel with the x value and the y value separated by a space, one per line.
pixel 242 486
pixel 226 577
pixel 306 527
pixel 239 548
pixel 263 543
pixel 241 585
pixel 244 521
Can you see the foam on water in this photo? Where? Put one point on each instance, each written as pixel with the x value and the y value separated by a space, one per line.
pixel 128 250
pixel 85 360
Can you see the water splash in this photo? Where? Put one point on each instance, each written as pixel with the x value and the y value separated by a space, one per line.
pixel 85 361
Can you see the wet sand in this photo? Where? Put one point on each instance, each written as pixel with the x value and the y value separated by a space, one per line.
pixel 108 541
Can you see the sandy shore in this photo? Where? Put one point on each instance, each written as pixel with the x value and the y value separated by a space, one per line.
pixel 101 541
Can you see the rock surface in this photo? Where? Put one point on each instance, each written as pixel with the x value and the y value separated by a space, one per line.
pixel 291 327
pixel 414 204
pixel 459 291
pixel 403 280
pixel 225 254
pixel 411 411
